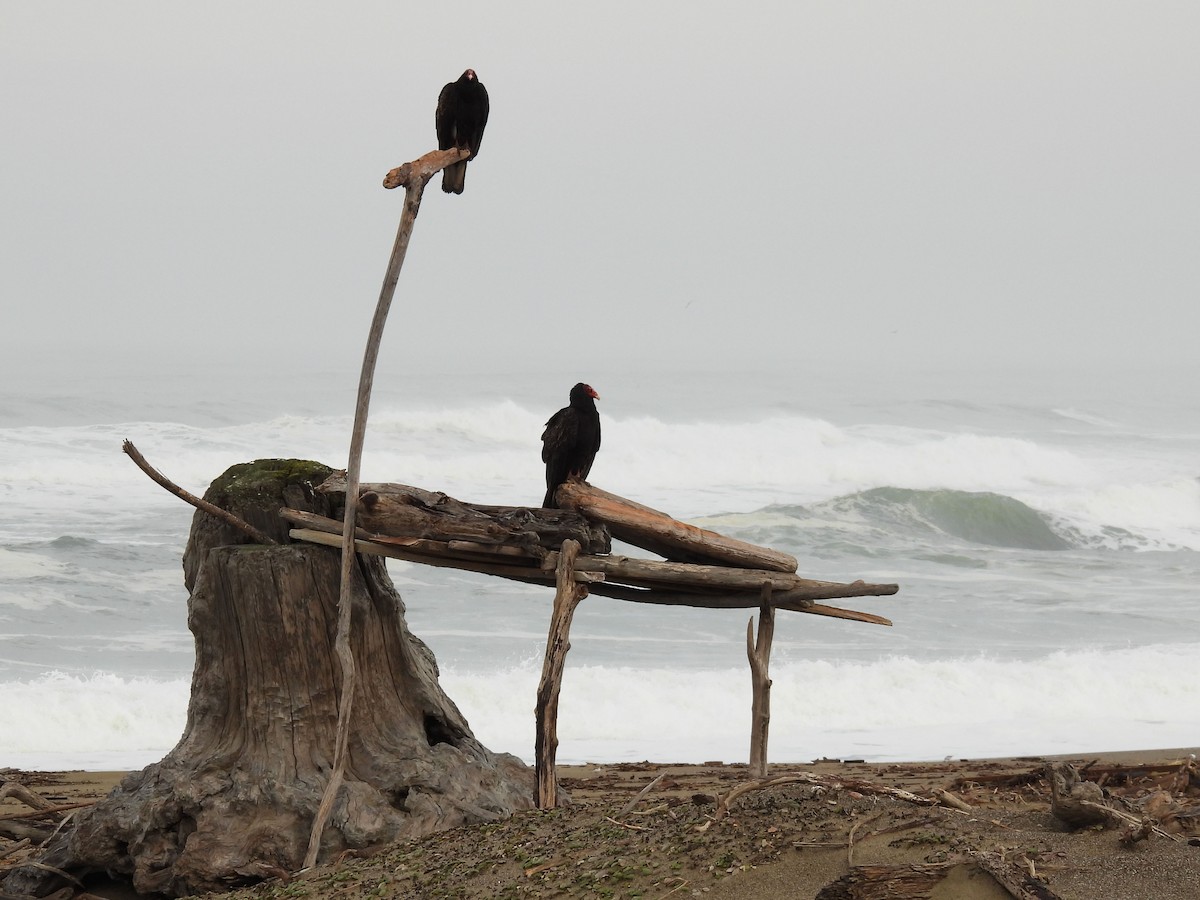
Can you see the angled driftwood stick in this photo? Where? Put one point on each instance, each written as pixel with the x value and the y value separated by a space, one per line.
pixel 198 502
pixel 628 807
pixel 660 533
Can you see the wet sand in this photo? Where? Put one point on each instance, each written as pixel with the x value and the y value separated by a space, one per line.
pixel 793 839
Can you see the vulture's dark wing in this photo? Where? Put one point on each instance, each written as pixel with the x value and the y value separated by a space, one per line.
pixel 558 450
pixel 479 120
pixel 559 436
pixel 446 116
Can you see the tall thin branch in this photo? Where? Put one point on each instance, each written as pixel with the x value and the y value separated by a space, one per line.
pixel 413 177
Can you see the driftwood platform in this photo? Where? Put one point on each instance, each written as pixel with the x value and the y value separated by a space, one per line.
pixel 701 568
pixel 569 548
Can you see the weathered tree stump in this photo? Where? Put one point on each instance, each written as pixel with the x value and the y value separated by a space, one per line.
pixel 234 801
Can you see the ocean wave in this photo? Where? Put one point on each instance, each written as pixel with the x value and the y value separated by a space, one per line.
pixel 977 517
pixel 925 521
pixel 1153 517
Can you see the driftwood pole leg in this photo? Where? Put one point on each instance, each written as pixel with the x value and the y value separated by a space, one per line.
pixel 759 654
pixel 414 178
pixel 566 598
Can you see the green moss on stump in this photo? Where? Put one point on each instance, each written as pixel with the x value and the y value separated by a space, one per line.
pixel 254 492
pixel 263 481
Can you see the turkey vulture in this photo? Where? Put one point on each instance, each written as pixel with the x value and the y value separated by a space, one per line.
pixel 570 441
pixel 462 113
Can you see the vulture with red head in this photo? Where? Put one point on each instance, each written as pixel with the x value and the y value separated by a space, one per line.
pixel 570 441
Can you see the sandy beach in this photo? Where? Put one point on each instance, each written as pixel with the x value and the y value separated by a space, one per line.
pixel 972 829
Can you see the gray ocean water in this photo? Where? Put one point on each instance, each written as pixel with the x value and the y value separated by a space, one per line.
pixel 1044 529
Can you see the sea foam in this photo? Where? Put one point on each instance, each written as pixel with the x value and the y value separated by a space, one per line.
pixel 893 708
pixel 57 716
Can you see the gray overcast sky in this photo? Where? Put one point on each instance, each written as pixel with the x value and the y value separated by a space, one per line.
pixel 936 183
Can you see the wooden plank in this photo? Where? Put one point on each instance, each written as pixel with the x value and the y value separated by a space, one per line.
pixel 501 554
pixel 316 523
pixel 833 590
pixel 463 549
pixel 726 578
pixel 660 533
pixel 490 550
pixel 728 601
pixel 528 574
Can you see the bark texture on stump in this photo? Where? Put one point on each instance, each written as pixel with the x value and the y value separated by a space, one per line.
pixel 234 801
